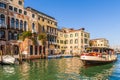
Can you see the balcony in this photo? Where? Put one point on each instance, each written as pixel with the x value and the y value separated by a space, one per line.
pixel 51 33
pixel 51 42
pixel 3 26
pixel 34 31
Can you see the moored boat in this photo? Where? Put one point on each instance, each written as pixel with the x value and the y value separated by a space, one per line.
pixel 99 57
pixel 54 56
pixel 7 59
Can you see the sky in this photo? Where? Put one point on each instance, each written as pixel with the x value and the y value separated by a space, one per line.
pixel 101 18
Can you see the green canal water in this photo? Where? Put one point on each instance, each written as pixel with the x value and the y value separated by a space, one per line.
pixel 55 69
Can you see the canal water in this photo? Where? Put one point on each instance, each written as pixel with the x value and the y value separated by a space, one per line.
pixel 59 69
pixel 116 72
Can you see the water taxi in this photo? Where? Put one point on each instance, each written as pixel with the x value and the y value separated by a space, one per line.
pixel 98 55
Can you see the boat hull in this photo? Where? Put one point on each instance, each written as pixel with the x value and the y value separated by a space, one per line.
pixel 54 56
pixel 97 60
pixel 8 59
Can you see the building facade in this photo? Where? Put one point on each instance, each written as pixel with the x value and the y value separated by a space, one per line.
pixel 99 42
pixel 72 41
pixel 15 19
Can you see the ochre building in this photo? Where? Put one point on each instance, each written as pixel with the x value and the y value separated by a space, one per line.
pixel 16 19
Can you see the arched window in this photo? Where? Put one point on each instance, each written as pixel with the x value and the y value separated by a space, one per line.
pixel 21 24
pixel 33 27
pixel 2 34
pixel 12 22
pixel 2 5
pixel 25 25
pixel 81 40
pixel 66 41
pixel 71 41
pixel 15 36
pixel 76 41
pixel 9 35
pixel 17 23
pixel 16 50
pixel 43 29
pixel 2 20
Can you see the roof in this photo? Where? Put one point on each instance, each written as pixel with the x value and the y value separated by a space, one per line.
pixel 99 39
pixel 40 12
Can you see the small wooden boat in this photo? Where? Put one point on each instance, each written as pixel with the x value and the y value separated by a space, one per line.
pixel 97 57
pixel 54 56
pixel 7 59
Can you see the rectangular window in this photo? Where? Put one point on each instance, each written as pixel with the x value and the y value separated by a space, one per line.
pixel 81 34
pixel 2 34
pixel 31 50
pixel 20 11
pixel 15 9
pixel 85 35
pixel 48 21
pixel 86 41
pixel 61 41
pixel 40 49
pixel 20 2
pixel 64 42
pixel 10 8
pixel 81 40
pixel 25 12
pixel 76 34
pixel 43 19
pixel 33 15
pixel 36 50
pixel 57 41
pixel 71 35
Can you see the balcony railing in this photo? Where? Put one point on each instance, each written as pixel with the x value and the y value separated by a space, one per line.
pixel 51 42
pixel 50 33
pixel 3 26
pixel 34 31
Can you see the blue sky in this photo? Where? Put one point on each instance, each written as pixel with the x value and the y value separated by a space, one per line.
pixel 101 18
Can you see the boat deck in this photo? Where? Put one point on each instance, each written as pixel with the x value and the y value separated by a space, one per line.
pixel 97 58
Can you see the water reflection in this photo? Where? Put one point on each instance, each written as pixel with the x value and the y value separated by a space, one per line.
pixel 9 70
pixel 24 71
pixel 97 72
pixel 54 69
pixel 116 72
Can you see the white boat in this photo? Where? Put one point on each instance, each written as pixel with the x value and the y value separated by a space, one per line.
pixel 7 59
pixel 97 57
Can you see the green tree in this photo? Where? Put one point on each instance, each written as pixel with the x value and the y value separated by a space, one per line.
pixel 42 37
pixel 29 35
pixel 24 35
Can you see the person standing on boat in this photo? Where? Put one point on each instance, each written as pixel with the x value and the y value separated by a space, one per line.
pixel 110 54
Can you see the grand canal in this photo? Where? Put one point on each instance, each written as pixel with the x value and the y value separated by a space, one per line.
pixel 60 69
